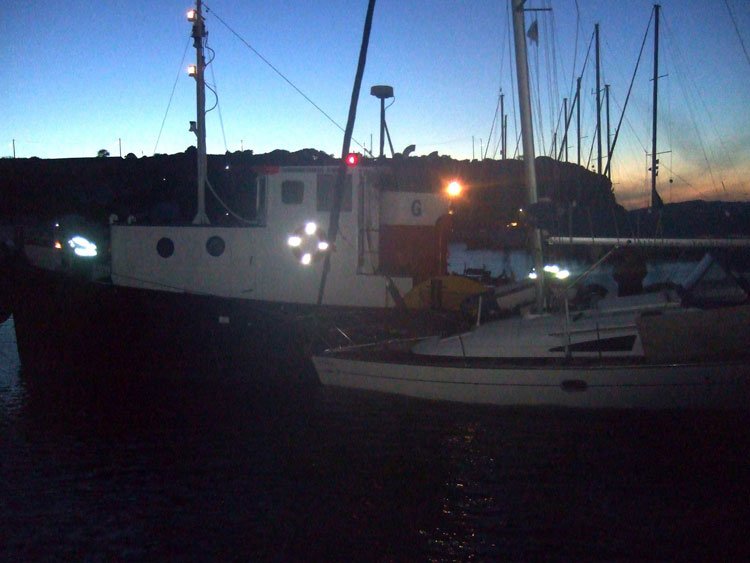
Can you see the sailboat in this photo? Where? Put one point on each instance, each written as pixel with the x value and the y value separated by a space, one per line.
pixel 278 284
pixel 683 346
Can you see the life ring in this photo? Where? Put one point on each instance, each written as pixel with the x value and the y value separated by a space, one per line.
pixel 308 243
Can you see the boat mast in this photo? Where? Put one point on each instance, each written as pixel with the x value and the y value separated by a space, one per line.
pixel 655 199
pixel 199 127
pixel 598 106
pixel 527 135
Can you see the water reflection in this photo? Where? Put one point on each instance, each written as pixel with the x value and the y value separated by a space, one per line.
pixel 267 467
pixel 11 390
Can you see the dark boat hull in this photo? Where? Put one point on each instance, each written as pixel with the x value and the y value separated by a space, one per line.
pixel 65 321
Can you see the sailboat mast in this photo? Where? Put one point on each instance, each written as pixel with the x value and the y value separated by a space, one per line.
pixel 199 33
pixel 655 199
pixel 527 135
pixel 598 106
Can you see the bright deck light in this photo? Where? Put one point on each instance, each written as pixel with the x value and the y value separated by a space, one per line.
pixel 310 228
pixel 306 258
pixel 294 241
pixel 562 274
pixel 454 188
pixel 322 246
pixel 82 247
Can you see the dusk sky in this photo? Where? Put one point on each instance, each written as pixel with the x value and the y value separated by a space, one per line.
pixel 80 76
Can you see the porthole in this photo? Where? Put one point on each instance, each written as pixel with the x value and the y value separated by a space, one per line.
pixel 215 246
pixel 165 247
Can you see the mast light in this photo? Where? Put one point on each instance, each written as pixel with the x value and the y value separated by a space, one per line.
pixel 192 70
pixel 192 15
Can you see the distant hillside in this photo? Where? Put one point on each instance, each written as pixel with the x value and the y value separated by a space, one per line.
pixel 162 189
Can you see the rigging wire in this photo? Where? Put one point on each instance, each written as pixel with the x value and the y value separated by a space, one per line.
pixel 497 106
pixel 688 98
pixel 575 53
pixel 550 53
pixel 277 71
pixel 577 98
pixel 171 96
pixel 537 107
pixel 514 104
pixel 217 105
pixel 632 129
pixel 630 90
pixel 737 30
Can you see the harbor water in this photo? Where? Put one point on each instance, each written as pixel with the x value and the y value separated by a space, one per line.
pixel 253 466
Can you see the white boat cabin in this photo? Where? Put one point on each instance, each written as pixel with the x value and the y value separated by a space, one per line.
pixel 278 253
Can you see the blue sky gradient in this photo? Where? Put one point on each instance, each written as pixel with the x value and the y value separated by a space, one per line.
pixel 81 76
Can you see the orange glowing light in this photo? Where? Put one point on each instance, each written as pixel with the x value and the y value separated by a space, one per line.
pixel 454 188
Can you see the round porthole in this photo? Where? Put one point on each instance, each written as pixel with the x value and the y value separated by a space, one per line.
pixel 215 246
pixel 165 247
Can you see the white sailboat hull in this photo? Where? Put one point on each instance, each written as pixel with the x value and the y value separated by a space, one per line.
pixel 588 385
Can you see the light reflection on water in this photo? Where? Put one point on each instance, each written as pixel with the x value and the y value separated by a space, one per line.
pixel 266 467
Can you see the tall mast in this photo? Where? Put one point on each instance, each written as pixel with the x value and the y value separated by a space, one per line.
pixel 578 120
pixel 598 106
pixel 502 126
pixel 527 135
pixel 199 33
pixel 655 199
pixel 608 170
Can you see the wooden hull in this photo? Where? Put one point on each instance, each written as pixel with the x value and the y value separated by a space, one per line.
pixel 529 382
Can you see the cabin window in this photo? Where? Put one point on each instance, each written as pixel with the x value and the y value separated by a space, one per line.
pixel 165 247
pixel 215 246
pixel 326 184
pixel 292 192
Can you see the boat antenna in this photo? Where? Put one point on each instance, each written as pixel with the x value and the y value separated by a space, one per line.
pixel 527 135
pixel 383 92
pixel 199 127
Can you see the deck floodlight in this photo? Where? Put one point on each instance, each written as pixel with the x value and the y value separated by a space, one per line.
pixel 82 247
pixel 454 188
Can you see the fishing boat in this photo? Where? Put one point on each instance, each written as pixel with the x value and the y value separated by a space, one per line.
pixel 682 346
pixel 334 239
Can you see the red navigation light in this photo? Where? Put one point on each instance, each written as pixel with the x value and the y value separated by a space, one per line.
pixel 352 159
